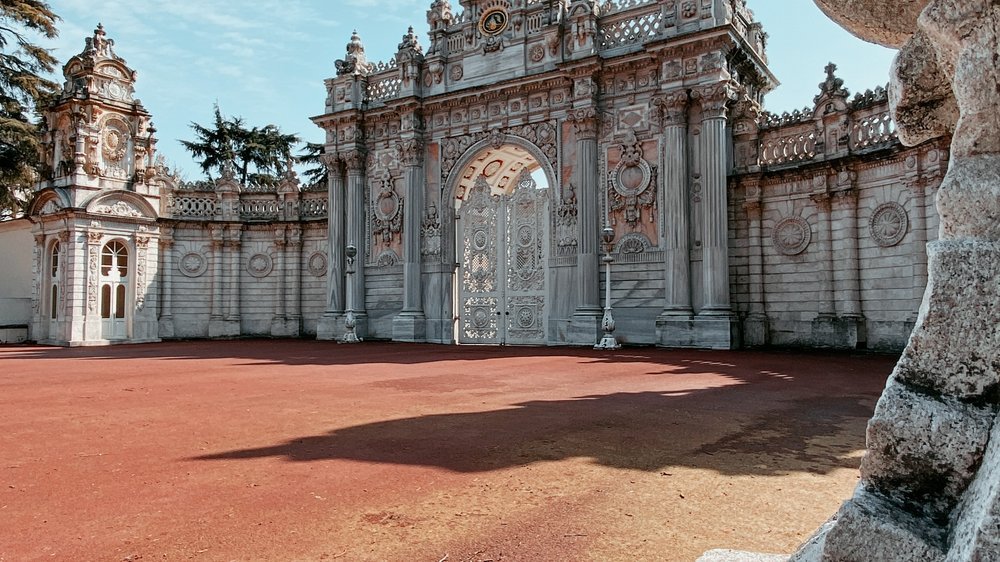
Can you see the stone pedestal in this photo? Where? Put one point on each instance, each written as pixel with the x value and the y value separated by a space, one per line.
pixel 843 332
pixel 330 326
pixel 409 327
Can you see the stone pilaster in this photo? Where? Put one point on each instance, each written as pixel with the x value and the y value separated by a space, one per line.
pixel 755 327
pixel 218 258
pixel 167 282
pixel 585 325
pixel 280 289
pixel 331 324
pixel 847 277
pixel 918 250
pixel 410 324
pixel 293 281
pixel 716 323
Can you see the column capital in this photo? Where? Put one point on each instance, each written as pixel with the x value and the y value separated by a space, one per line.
pixel 331 161
pixel 294 234
pixel 846 197
pixel 822 200
pixel 586 122
pixel 411 152
pixel 354 160
pixel 714 99
pixel 672 108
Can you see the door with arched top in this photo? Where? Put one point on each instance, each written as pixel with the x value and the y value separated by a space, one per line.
pixel 114 290
pixel 503 252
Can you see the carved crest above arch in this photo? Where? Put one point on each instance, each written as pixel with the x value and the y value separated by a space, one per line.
pixel 122 204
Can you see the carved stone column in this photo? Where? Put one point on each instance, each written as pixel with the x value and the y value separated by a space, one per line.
pixel 331 324
pixel 673 325
pixel 356 207
pixel 235 245
pixel 585 326
pixel 717 324
pixel 410 324
pixel 39 275
pixel 167 282
pixel 293 281
pixel 824 289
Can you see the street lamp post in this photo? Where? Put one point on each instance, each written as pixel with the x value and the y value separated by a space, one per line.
pixel 608 322
pixel 350 321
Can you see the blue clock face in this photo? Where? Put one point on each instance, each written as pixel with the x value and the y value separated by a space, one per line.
pixel 493 22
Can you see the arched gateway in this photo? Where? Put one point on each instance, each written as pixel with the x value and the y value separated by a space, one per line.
pixel 501 199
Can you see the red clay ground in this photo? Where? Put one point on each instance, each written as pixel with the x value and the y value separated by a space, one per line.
pixel 299 450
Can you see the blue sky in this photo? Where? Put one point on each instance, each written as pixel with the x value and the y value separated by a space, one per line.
pixel 266 60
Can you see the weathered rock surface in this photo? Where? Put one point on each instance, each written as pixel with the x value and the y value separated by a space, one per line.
pixel 930 486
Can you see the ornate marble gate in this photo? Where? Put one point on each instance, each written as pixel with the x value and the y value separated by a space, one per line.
pixel 502 278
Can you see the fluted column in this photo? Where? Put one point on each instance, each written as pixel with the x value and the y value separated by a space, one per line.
pixel 167 282
pixel 676 227
pixel 715 227
pixel 410 324
pixel 354 161
pixel 588 215
pixel 335 218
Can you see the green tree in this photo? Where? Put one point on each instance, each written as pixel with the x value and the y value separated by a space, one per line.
pixel 311 157
pixel 23 89
pixel 256 153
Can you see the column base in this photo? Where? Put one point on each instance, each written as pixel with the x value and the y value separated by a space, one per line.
pixel 221 328
pixel 585 328
pixel 756 330
pixel 166 328
pixel 330 326
pixel 285 327
pixel 715 331
pixel 409 327
pixel 845 332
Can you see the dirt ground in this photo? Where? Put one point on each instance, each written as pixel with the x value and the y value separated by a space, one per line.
pixel 304 450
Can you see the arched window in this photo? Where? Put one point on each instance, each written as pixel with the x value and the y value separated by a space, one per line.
pixel 114 289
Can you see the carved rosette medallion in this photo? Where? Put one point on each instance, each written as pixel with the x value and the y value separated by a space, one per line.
pixel 317 264
pixel 536 53
pixel 888 224
pixel 456 72
pixel 192 264
pixel 260 265
pixel 791 236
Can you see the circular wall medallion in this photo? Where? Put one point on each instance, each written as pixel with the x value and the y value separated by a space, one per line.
pixel 259 265
pixel 537 53
pixel 479 240
pixel 317 264
pixel 493 22
pixel 791 235
pixel 456 72
pixel 192 264
pixel 888 224
pixel 631 179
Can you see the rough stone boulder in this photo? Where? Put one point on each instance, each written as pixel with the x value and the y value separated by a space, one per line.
pixel 930 486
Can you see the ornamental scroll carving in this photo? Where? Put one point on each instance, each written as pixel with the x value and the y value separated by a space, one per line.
pixel 566 219
pixel 430 232
pixel 542 135
pixel 632 184
pixel 142 255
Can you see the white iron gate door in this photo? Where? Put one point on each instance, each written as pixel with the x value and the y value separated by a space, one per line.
pixel 503 274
